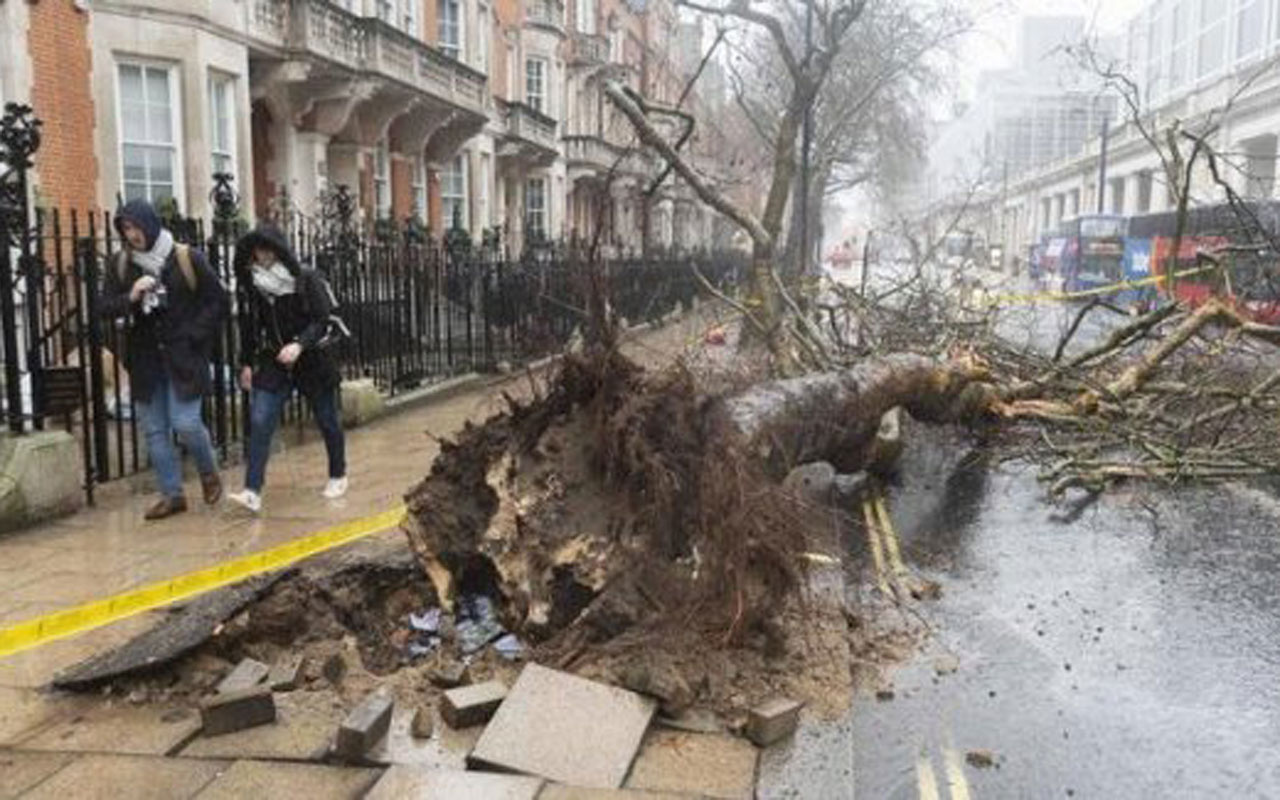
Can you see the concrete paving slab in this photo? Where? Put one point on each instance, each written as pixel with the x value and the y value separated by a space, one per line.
pixel 442 784
pixel 559 791
pixel 284 781
pixel 23 710
pixel 246 675
pixel 21 771
pixel 446 748
pixel 119 729
pixel 134 777
pixel 472 705
pixel 707 765
pixel 565 728
pixel 303 731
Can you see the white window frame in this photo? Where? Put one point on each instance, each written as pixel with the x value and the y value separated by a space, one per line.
pixel 1182 46
pixel 453 192
pixel 382 180
pixel 484 33
pixel 228 107
pixel 537 100
pixel 385 10
pixel 454 49
pixel 175 112
pixel 1206 29
pixel 418 189
pixel 586 16
pixel 409 19
pixel 1238 25
pixel 483 206
pixel 539 213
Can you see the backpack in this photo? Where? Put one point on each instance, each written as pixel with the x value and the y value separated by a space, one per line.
pixel 185 265
pixel 336 330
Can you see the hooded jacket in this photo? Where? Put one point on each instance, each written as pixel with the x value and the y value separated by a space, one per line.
pixel 178 340
pixel 267 323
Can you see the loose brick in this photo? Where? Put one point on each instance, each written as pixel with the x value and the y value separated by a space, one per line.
pixel 773 720
pixel 287 674
pixel 235 711
pixel 423 723
pixel 365 725
pixel 246 675
pixel 450 675
pixel 472 705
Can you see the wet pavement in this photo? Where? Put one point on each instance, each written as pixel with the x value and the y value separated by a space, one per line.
pixel 1124 649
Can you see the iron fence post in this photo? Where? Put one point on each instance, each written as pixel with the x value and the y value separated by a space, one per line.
pixel 19 141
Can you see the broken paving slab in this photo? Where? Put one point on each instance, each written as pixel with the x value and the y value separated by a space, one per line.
pixel 773 720
pixel 559 791
pixel 365 726
pixel 134 777
pixel 303 731
pixel 566 729
pixel 472 705
pixel 445 784
pixel 236 711
pixel 287 674
pixel 177 634
pixel 281 781
pixel 125 729
pixel 246 675
pixel 447 748
pixel 707 765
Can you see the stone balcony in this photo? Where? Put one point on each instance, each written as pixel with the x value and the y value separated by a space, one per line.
pixel 322 33
pixel 592 156
pixel 589 50
pixel 545 14
pixel 528 135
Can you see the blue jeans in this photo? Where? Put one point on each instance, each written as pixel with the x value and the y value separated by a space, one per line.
pixel 264 416
pixel 163 415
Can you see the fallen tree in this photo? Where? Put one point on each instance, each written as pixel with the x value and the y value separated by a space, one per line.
pixel 624 500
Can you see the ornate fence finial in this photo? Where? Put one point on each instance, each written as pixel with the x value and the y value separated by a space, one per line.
pixel 226 204
pixel 19 141
pixel 19 136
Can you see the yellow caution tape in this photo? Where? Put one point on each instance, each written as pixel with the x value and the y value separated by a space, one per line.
pixel 72 621
pixel 1111 288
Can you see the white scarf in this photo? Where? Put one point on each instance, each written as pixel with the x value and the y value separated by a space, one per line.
pixel 275 280
pixel 153 260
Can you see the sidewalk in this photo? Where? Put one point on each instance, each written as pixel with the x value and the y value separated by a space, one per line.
pixel 108 549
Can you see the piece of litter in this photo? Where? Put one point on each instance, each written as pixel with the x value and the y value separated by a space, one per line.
pixel 509 647
pixel 426 622
pixel 819 558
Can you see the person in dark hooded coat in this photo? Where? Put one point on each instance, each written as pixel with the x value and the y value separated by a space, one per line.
pixel 174 306
pixel 284 322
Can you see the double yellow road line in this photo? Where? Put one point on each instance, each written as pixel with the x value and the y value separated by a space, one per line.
pixel 72 621
pixel 953 768
pixel 892 576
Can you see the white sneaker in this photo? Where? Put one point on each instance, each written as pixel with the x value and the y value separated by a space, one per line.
pixel 247 499
pixel 335 488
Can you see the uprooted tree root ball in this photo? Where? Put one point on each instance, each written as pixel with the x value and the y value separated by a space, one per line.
pixel 625 513
pixel 617 503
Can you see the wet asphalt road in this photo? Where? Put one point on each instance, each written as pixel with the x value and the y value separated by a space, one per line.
pixel 1130 652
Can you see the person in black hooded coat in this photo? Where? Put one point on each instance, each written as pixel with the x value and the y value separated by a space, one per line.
pixel 283 324
pixel 174 306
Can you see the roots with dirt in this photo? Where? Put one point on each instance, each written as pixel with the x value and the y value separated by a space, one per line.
pixel 636 528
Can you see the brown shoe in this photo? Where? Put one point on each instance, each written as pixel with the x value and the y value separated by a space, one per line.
pixel 212 486
pixel 166 507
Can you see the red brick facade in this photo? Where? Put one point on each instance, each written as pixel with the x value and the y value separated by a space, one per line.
pixel 401 189
pixel 61 93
